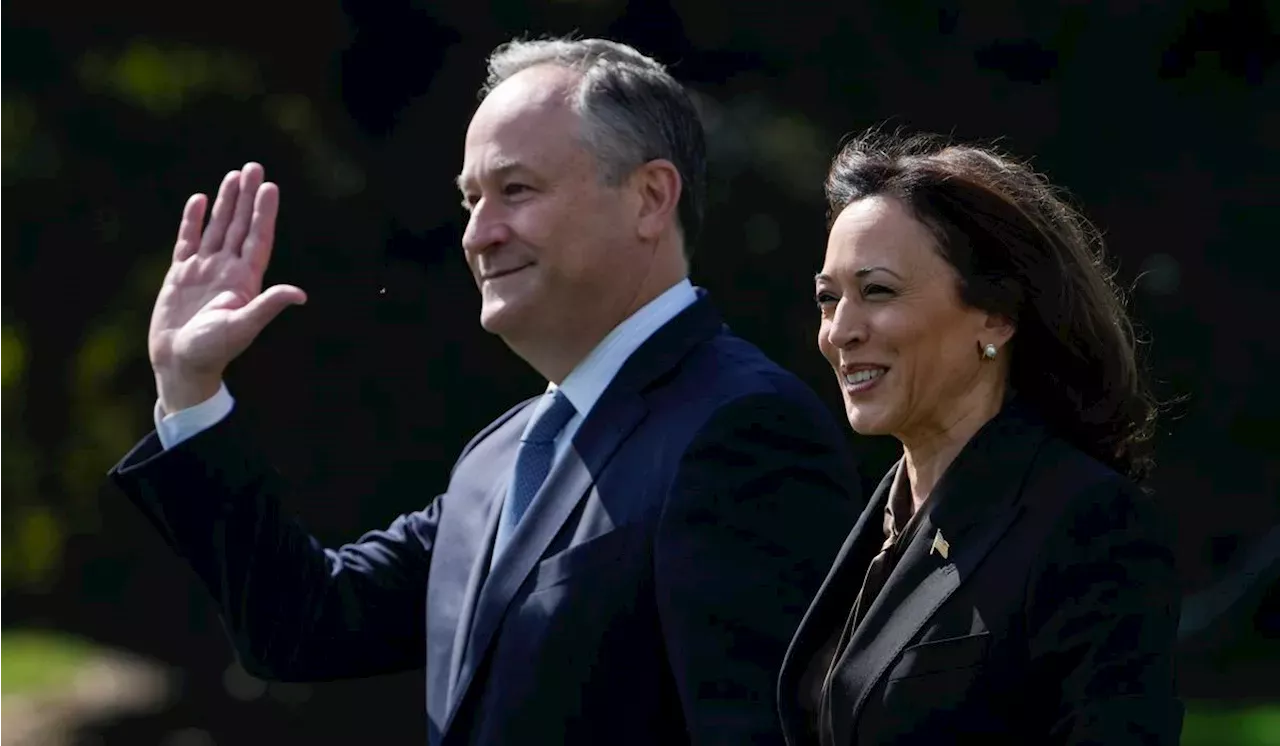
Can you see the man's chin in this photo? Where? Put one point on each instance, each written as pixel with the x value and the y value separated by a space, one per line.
pixel 502 319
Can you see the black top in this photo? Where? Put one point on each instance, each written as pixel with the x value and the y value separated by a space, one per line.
pixel 1052 619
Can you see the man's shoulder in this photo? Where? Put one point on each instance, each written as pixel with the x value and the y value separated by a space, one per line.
pixel 723 379
pixel 508 417
pixel 727 369
pixel 727 383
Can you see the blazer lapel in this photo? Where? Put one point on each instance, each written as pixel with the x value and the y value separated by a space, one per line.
pixel 973 504
pixel 829 610
pixel 475 581
pixel 462 544
pixel 617 413
pixel 565 485
pixel 569 481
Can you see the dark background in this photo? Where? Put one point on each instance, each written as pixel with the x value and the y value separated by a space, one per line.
pixel 1162 119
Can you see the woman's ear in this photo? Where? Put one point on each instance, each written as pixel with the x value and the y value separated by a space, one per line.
pixel 997 329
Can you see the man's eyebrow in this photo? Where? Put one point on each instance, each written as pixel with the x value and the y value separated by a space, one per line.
pixel 500 169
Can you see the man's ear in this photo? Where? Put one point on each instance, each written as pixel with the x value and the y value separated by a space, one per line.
pixel 658 185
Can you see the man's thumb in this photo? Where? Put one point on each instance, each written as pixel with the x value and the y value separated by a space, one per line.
pixel 259 312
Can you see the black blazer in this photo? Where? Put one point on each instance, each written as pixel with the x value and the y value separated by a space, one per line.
pixel 1052 619
pixel 647 596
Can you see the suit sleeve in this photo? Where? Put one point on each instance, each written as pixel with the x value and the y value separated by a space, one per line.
pixel 294 610
pixel 762 502
pixel 1102 622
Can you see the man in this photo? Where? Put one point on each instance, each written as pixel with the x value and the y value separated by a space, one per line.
pixel 622 559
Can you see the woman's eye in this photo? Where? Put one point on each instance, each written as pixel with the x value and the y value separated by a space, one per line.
pixel 880 290
pixel 824 298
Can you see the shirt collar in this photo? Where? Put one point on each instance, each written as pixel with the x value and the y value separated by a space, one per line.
pixel 588 380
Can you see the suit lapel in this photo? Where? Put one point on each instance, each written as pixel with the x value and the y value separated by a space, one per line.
pixel 570 479
pixel 475 581
pixel 830 608
pixel 972 506
pixel 615 415
pixel 465 534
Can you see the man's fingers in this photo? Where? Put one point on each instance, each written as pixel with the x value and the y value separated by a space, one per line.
pixel 262 230
pixel 223 207
pixel 189 229
pixel 250 179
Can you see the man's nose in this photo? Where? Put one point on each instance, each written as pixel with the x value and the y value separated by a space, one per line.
pixel 486 228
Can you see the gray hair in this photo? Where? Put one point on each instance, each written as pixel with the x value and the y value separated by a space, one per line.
pixel 632 110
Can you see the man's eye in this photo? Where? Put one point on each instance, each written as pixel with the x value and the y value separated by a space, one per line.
pixel 512 190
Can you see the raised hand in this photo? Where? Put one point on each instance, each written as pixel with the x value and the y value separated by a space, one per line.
pixel 212 305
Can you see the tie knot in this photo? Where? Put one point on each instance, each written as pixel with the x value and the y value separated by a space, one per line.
pixel 551 419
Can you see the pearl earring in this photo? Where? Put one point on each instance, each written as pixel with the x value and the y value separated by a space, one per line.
pixel 989 352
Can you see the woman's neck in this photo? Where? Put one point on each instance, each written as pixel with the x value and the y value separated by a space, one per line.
pixel 928 455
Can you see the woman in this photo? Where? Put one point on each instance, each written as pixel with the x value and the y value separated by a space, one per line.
pixel 1008 582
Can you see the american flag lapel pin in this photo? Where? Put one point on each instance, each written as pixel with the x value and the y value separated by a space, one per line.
pixel 940 545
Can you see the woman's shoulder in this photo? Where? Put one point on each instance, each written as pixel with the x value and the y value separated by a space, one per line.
pixel 1060 462
pixel 1084 500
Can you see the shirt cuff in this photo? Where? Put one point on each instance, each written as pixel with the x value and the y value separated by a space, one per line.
pixel 174 428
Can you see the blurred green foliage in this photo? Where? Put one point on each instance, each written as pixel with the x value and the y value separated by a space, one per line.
pixel 32 661
pixel 1216 724
pixel 32 535
pixel 49 490
pixel 163 79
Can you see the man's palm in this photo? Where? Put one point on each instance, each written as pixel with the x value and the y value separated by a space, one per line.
pixel 211 306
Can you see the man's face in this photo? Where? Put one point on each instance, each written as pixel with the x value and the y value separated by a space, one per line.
pixel 553 248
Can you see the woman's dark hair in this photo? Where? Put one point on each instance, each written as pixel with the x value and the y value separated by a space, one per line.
pixel 1021 251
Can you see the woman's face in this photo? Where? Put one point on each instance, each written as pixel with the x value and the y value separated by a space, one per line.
pixel 906 351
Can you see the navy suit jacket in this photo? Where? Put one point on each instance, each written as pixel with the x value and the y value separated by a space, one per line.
pixel 646 597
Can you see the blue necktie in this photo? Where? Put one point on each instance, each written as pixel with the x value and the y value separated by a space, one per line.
pixel 533 463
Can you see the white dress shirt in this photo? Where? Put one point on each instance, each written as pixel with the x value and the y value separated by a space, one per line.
pixel 583 386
